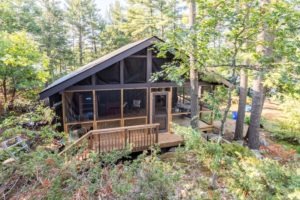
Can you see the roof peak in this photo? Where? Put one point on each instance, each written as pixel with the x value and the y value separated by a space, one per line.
pixel 100 63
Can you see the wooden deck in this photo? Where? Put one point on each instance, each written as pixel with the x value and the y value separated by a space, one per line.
pixel 138 138
pixel 184 121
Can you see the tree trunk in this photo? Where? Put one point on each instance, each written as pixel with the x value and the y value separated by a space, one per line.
pixel 265 89
pixel 80 46
pixel 239 127
pixel 265 49
pixel 193 70
pixel 4 87
pixel 13 96
pixel 229 102
pixel 253 134
pixel 94 41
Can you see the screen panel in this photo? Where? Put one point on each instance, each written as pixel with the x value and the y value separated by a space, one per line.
pixel 109 124
pixel 135 70
pixel 79 106
pixel 181 100
pixel 135 102
pixel 110 75
pixel 109 104
pixel 86 81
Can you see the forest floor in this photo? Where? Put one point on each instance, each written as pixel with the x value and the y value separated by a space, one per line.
pixel 272 113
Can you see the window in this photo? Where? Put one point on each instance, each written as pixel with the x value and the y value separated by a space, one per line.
pixel 79 106
pixel 135 70
pixel 109 104
pixel 86 81
pixel 110 75
pixel 135 102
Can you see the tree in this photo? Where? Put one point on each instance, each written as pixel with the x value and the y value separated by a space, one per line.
pixel 146 18
pixel 275 48
pixel 21 64
pixel 113 36
pixel 194 79
pixel 243 89
pixel 53 37
pixel 17 15
pixel 95 25
pixel 85 22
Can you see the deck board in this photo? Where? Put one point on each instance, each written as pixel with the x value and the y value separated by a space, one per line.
pixel 184 121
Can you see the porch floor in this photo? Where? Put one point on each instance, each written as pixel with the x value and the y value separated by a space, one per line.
pixel 185 121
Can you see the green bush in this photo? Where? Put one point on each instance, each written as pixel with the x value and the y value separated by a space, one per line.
pixel 236 150
pixel 26 125
pixel 251 178
pixel 245 176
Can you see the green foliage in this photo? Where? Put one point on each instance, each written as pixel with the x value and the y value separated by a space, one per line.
pixel 21 64
pixel 244 175
pixel 251 179
pixel 215 100
pixel 27 125
pixel 286 129
pixel 236 150
pixel 247 120
pixel 157 181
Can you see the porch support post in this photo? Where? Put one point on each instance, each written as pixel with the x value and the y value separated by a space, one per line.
pixel 149 64
pixel 122 107
pixel 122 72
pixel 200 97
pixel 64 112
pixel 95 110
pixel 170 95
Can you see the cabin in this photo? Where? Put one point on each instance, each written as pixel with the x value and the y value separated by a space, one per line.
pixel 114 96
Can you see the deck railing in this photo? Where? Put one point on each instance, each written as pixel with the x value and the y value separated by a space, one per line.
pixel 139 138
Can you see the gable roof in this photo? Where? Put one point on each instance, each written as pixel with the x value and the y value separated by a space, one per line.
pixel 97 65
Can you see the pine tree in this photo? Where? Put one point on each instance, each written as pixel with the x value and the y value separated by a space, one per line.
pixel 53 37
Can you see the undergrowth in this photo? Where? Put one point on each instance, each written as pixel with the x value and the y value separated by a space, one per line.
pixel 183 174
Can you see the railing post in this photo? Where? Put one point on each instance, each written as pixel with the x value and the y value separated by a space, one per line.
pixel 125 143
pixel 156 134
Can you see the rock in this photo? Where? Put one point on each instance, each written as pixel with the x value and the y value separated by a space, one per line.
pixel 240 142
pixel 257 154
pixel 263 142
pixel 9 161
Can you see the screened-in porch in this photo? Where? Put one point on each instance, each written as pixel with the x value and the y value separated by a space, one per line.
pixel 102 109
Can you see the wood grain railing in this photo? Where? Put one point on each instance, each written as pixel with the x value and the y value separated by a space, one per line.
pixel 139 138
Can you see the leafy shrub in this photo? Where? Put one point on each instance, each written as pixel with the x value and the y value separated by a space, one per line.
pixel 236 150
pixel 251 178
pixel 247 120
pixel 34 125
pixel 215 100
pixel 244 175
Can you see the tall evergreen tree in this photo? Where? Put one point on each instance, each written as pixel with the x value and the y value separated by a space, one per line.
pixel 86 24
pixel 113 36
pixel 53 37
